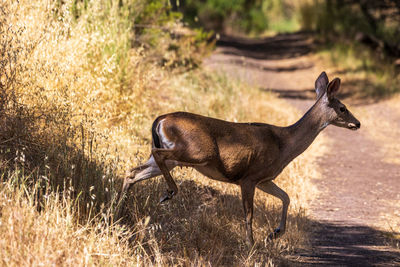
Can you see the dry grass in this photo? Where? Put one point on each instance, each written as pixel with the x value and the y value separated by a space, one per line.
pixel 53 235
pixel 77 106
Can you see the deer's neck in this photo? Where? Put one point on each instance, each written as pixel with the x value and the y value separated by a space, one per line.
pixel 300 135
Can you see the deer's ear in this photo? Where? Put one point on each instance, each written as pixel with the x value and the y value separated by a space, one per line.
pixel 333 88
pixel 320 84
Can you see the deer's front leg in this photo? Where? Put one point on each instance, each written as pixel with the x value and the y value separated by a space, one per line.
pixel 248 198
pixel 270 188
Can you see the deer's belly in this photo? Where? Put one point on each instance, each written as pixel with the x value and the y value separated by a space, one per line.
pixel 212 173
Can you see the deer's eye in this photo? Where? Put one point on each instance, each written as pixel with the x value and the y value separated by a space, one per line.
pixel 342 109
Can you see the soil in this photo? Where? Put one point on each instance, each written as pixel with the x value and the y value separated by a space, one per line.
pixel 358 188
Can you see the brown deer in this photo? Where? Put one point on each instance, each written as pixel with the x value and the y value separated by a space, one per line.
pixel 247 154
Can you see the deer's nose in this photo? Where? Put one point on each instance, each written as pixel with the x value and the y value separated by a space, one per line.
pixel 358 124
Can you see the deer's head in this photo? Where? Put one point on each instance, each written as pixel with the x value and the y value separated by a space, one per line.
pixel 335 111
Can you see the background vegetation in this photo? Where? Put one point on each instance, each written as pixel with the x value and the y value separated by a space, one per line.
pixel 360 39
pixel 240 16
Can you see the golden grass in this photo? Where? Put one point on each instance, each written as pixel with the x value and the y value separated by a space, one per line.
pixel 53 235
pixel 82 102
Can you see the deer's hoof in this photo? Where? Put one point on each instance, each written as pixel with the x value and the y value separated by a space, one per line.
pixel 275 234
pixel 168 195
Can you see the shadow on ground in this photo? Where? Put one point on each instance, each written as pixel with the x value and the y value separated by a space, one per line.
pixel 355 245
pixel 277 47
pixel 242 62
pixel 305 94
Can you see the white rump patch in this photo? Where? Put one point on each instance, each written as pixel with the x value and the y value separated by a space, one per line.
pixel 166 143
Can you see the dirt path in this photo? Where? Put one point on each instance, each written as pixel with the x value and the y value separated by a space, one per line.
pixel 358 187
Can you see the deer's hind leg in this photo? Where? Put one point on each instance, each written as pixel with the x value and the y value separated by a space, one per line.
pixel 143 172
pixel 161 157
pixel 146 171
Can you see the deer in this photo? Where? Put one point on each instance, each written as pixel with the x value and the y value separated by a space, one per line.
pixel 250 155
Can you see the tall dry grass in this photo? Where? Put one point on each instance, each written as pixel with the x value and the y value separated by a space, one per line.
pixel 77 104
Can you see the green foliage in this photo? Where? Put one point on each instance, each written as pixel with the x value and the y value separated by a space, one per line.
pixel 226 15
pixel 284 25
pixel 213 13
pixel 156 13
pixel 256 21
pixel 328 18
pixel 240 16
pixel 333 18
